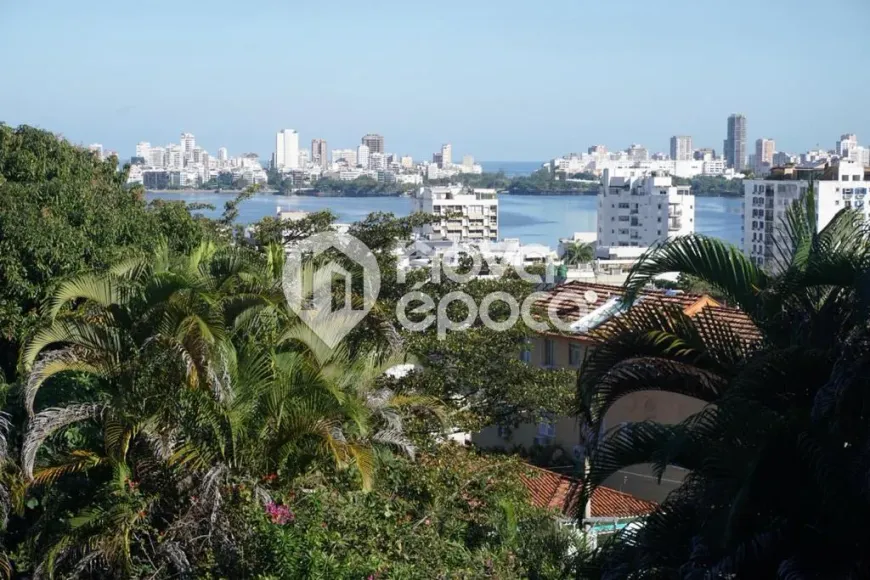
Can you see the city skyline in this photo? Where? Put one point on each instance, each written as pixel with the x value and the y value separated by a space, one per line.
pixel 486 92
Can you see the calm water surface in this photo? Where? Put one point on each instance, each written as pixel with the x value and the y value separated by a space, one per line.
pixel 539 219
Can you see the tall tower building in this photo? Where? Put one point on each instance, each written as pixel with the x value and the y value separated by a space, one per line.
pixel 362 156
pixel 287 149
pixel 735 142
pixel 188 144
pixel 764 151
pixel 848 142
pixel 446 155
pixel 681 148
pixel 319 155
pixel 374 142
pixel 223 155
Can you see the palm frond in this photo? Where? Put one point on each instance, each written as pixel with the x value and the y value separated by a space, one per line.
pixel 46 422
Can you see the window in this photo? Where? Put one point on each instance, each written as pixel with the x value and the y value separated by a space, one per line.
pixel 845 178
pixel 658 232
pixel 574 354
pixel 526 354
pixel 836 202
pixel 660 220
pixel 549 352
pixel 856 178
pixel 546 430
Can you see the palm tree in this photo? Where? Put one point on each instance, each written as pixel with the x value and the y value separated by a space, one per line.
pixel 202 380
pixel 577 253
pixel 778 458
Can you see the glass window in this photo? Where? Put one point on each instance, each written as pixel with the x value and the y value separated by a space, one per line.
pixel 549 352
pixel 845 178
pixel 574 354
pixel 546 430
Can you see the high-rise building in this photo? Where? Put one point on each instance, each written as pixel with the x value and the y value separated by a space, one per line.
pixel 735 142
pixel 174 157
pixel 304 158
pixel 842 185
pixel 465 215
pixel 847 148
pixel 319 153
pixel 407 161
pixel 377 161
pixel 196 156
pixel 143 150
pixel 188 144
pixel 374 142
pixel 642 210
pixel 597 150
pixel 287 149
pixel 96 149
pixel 223 155
pixel 468 162
pixel 764 152
pixel 681 148
pixel 446 155
pixel 637 153
pixel 362 156
pixel 157 157
pixel 346 156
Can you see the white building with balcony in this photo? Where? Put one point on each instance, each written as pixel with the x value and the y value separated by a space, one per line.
pixel 465 215
pixel 639 211
pixel 843 185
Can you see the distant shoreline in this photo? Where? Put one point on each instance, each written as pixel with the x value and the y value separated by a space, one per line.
pixel 229 192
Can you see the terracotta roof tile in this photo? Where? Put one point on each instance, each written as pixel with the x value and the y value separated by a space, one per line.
pixel 573 300
pixel 550 490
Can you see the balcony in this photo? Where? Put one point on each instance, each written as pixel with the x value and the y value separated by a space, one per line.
pixel 675 225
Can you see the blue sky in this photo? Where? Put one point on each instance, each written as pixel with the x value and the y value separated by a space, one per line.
pixel 503 80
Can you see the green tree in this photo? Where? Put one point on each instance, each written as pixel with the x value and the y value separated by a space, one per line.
pixel 777 458
pixel 64 212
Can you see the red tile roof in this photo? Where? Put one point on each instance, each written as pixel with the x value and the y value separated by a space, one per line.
pixel 573 300
pixel 550 490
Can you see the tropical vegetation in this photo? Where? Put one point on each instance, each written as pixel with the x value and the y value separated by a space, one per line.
pixel 777 459
pixel 166 414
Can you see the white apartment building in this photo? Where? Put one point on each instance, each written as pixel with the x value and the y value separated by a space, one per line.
pixel 681 148
pixel 377 162
pixel 188 144
pixel 157 157
pixel 765 202
pixel 174 158
pixel 465 215
pixel 642 210
pixel 143 150
pixel 446 155
pixel 287 150
pixel 96 149
pixel 223 155
pixel 346 156
pixel 362 156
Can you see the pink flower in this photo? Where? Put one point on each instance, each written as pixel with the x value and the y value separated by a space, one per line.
pixel 279 514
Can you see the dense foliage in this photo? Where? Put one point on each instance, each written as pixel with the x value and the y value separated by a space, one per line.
pixel 62 212
pixel 166 414
pixel 778 458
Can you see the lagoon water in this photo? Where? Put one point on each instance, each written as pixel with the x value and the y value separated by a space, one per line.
pixel 539 219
